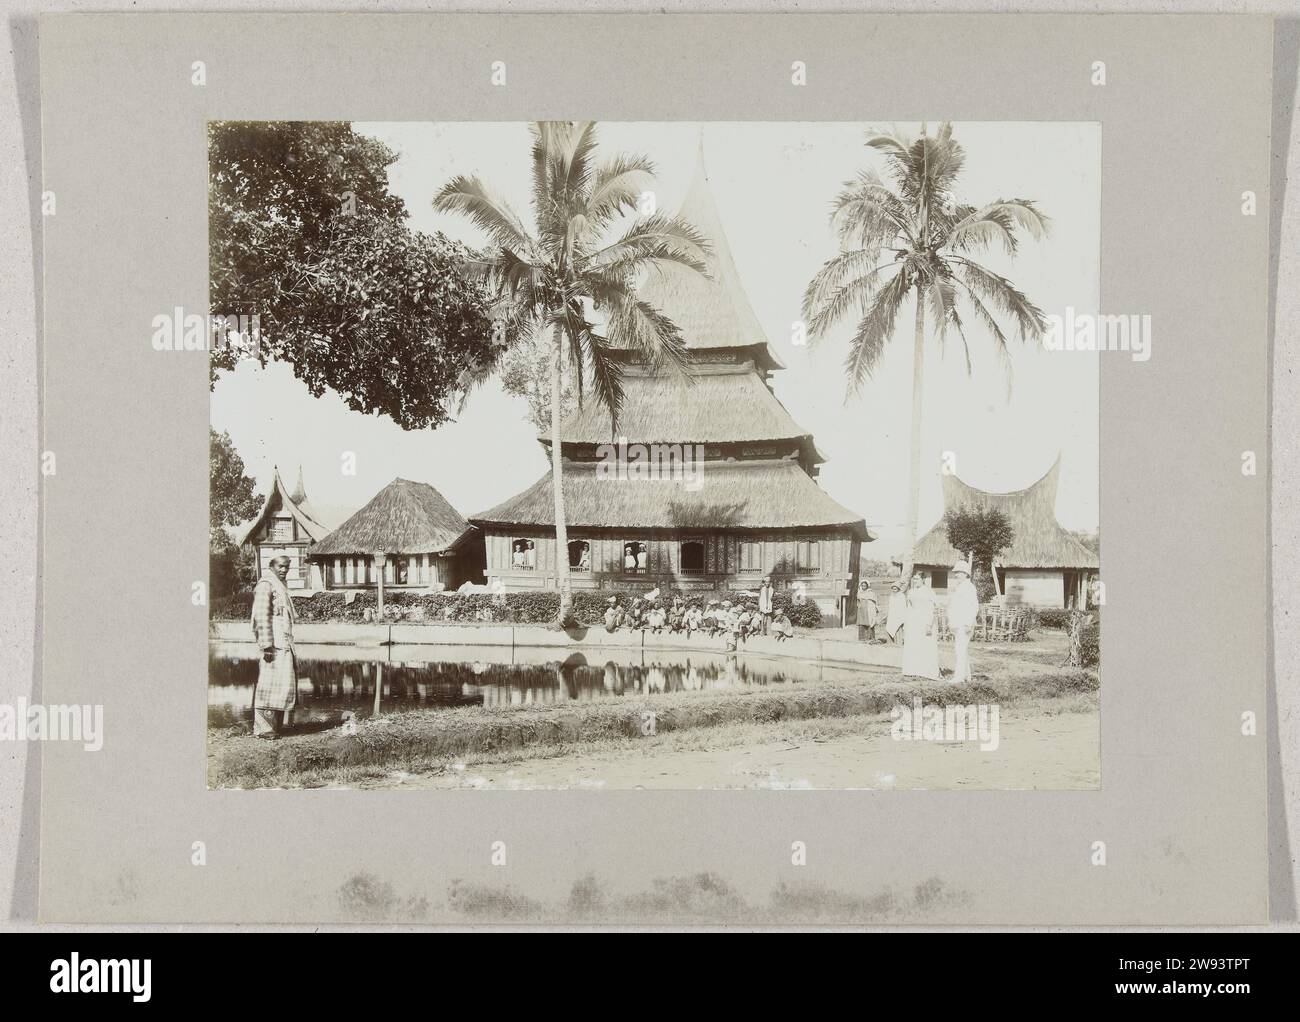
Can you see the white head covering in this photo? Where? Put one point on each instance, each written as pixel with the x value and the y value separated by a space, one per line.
pixel 963 567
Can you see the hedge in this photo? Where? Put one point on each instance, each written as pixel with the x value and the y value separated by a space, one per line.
pixel 518 608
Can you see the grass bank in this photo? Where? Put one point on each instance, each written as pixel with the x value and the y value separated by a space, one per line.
pixel 424 739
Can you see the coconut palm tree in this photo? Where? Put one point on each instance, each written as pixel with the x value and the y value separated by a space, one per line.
pixel 548 278
pixel 911 237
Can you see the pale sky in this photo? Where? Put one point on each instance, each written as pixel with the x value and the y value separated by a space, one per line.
pixel 773 183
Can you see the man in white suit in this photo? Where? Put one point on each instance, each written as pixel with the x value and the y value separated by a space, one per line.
pixel 963 609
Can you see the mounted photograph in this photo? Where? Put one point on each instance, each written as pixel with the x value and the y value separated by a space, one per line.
pixel 715 455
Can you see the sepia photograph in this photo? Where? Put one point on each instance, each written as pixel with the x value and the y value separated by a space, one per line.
pixel 657 468
pixel 655 455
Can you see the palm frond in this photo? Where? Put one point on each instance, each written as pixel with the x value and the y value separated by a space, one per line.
pixel 606 375
pixel 617 186
pixel 1000 346
pixel 1030 323
pixel 829 296
pixel 998 222
pixel 943 305
pixel 873 332
pixel 636 324
pixel 654 239
pixel 472 198
pixel 866 214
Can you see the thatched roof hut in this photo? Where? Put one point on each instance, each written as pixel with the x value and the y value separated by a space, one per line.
pixel 404 517
pixel 1040 540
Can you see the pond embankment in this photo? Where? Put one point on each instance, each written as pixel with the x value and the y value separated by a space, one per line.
pixel 423 739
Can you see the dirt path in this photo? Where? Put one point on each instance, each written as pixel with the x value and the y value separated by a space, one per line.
pixel 1037 749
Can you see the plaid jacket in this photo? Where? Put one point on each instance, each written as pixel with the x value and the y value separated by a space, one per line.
pixel 270 609
pixel 277 681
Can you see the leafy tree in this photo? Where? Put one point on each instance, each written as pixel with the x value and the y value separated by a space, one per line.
pixel 231 499
pixel 982 534
pixel 914 238
pixel 231 494
pixel 305 235
pixel 525 370
pixel 544 278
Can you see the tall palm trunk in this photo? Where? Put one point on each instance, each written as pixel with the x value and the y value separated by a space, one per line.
pixel 914 493
pixel 557 489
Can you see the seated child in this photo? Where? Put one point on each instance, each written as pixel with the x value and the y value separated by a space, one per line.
pixel 781 626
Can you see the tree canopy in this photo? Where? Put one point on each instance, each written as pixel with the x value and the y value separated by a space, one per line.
pixel 232 496
pixel 305 235
pixel 983 532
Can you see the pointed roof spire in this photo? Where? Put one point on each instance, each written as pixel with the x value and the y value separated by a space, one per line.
pixel 299 494
pixel 711 313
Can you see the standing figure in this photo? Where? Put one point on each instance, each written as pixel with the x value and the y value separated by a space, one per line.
pixel 277 679
pixel 868 612
pixel 963 609
pixel 921 641
pixel 765 604
pixel 896 614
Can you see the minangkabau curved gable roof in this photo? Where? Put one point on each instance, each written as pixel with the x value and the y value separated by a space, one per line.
pixel 1040 540
pixel 300 511
pixel 405 517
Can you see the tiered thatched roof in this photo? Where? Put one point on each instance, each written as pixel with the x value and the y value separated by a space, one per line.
pixel 1040 541
pixel 711 312
pixel 404 517
pixel 714 405
pixel 279 497
pixel 731 495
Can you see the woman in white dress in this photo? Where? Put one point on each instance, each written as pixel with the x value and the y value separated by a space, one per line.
pixel 920 634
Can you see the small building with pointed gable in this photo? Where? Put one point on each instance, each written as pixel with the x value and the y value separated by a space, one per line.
pixel 287 525
pixel 1046 566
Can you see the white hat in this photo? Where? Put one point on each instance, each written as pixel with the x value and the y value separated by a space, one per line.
pixel 961 566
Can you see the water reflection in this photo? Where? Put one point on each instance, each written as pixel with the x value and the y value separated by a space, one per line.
pixel 333 680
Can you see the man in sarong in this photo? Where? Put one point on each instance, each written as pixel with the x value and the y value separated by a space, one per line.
pixel 277 678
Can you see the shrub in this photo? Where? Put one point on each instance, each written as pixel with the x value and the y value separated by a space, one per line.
pixel 1090 645
pixel 516 608
pixel 1052 617
pixel 234 607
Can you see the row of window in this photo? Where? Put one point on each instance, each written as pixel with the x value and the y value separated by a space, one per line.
pixel 402 571
pixel 523 555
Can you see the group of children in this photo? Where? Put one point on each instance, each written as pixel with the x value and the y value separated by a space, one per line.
pixel 734 621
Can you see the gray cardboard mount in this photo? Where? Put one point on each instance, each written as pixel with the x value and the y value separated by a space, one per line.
pixel 1185 118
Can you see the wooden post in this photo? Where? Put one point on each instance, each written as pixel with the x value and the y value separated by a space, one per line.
pixel 381 562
